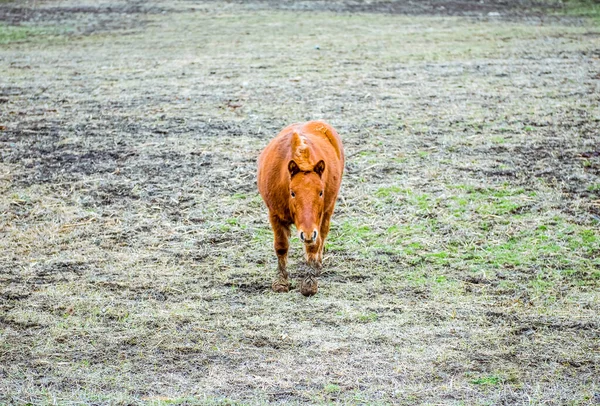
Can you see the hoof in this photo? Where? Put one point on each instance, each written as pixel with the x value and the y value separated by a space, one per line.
pixel 281 286
pixel 309 286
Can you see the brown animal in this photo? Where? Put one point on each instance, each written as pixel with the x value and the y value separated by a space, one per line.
pixel 299 177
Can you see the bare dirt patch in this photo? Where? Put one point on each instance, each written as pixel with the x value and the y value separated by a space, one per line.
pixel 79 19
pixel 485 9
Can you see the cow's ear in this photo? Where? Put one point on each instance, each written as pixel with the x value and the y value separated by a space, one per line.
pixel 319 167
pixel 293 167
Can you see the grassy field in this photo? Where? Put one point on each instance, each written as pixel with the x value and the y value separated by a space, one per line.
pixel 463 265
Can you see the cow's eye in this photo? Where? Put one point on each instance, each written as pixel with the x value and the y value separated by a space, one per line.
pixel 293 194
pixel 321 194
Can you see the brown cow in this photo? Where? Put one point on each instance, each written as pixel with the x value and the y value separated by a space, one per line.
pixel 299 177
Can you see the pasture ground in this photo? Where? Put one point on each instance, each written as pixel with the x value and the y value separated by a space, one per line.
pixel 135 254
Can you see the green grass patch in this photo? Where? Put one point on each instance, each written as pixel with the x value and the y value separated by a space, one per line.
pixel 262 235
pixel 388 191
pixel 332 388
pixel 413 248
pixel 11 33
pixel 560 251
pixel 581 8
pixel 367 317
pixel 487 381
pixel 351 236
pixel 440 257
pixel 22 33
pixel 486 201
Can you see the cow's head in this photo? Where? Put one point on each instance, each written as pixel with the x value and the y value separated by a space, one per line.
pixel 307 191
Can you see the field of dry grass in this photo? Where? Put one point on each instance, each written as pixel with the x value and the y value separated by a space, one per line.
pixel 463 265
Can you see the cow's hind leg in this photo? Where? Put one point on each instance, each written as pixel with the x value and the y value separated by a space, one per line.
pixel 281 234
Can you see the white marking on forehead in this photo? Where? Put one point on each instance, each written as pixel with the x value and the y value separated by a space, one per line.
pixel 301 152
pixel 301 146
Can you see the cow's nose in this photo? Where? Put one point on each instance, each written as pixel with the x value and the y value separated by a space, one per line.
pixel 313 238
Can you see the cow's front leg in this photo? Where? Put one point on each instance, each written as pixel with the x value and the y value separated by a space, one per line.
pixel 309 285
pixel 281 234
pixel 323 234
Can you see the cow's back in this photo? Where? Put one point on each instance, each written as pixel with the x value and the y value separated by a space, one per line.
pixel 327 145
pixel 273 176
pixel 327 137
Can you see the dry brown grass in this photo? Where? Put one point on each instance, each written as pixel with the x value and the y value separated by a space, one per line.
pixel 136 258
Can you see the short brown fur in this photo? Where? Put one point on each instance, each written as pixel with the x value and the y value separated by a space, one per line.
pixel 299 177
